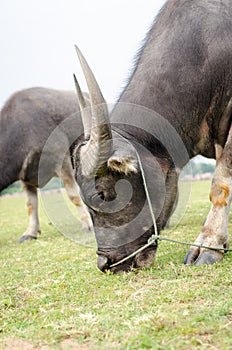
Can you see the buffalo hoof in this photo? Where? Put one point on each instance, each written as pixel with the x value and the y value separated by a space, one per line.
pixel 207 257
pixel 191 256
pixel 226 246
pixel 26 238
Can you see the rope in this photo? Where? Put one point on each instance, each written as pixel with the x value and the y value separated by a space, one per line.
pixel 153 239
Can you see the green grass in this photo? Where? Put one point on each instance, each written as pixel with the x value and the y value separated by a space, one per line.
pixel 53 297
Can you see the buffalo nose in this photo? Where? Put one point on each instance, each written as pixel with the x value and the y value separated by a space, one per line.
pixel 102 262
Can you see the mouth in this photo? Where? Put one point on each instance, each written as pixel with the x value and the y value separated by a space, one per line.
pixel 141 260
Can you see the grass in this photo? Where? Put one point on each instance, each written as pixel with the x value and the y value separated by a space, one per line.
pixel 53 297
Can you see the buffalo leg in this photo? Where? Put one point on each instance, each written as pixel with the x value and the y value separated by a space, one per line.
pixel 215 229
pixel 32 205
pixel 67 176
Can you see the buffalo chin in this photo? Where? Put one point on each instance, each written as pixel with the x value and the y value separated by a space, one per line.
pixel 145 258
pixel 142 260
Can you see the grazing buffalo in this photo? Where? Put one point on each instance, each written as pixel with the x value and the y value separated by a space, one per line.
pixel 26 121
pixel 177 104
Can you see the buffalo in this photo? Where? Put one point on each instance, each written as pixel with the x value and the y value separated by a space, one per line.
pixel 177 104
pixel 27 120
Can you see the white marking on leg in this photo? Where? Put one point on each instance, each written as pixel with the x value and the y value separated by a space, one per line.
pixel 32 205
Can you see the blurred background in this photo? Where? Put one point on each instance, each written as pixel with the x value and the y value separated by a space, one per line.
pixel 37 42
pixel 38 37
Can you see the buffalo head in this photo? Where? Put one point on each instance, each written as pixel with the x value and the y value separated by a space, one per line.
pixel 112 187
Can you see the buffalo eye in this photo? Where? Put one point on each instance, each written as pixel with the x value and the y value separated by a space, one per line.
pixel 100 195
pixel 97 199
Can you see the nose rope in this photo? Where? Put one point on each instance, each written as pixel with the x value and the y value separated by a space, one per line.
pixel 153 239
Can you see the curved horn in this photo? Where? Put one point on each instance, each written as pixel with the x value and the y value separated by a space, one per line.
pixel 85 111
pixel 98 149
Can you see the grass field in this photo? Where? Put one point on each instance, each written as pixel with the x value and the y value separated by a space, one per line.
pixel 53 297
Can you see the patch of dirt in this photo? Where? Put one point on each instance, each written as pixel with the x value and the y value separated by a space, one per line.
pixel 16 344
pixel 70 344
pixel 19 344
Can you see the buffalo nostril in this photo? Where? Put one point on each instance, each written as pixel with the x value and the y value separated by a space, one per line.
pixel 102 262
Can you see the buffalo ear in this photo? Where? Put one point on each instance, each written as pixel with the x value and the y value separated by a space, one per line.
pixel 123 164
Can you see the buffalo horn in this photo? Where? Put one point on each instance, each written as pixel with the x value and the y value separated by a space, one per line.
pixel 85 111
pixel 96 152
